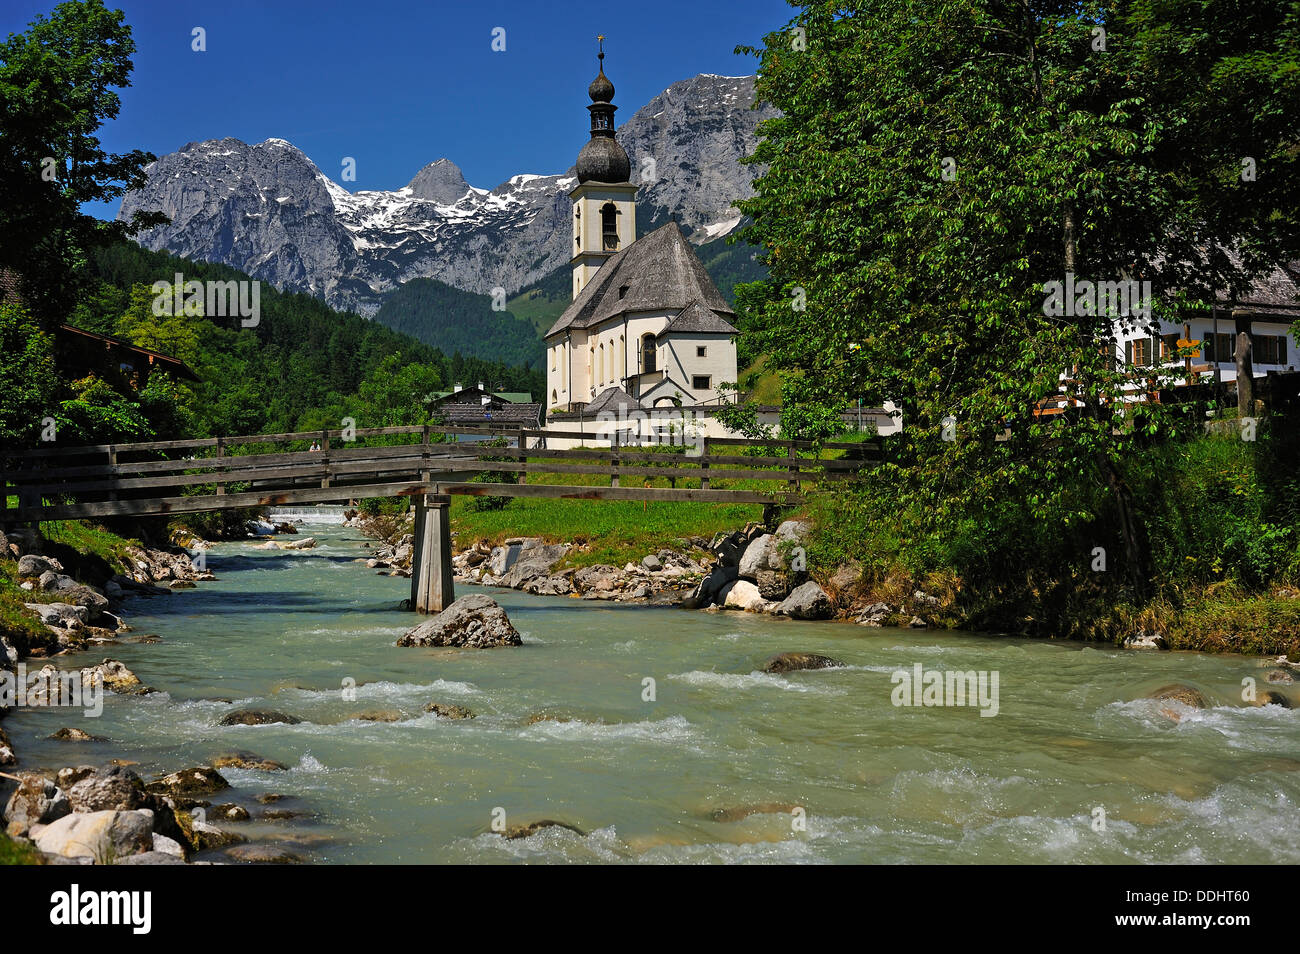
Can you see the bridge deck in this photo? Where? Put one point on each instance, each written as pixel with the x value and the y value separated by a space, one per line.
pixel 55 483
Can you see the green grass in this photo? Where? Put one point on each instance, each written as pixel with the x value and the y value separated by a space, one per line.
pixel 18 853
pixel 89 540
pixel 608 531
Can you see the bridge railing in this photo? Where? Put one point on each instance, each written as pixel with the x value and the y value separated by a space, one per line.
pixel 221 472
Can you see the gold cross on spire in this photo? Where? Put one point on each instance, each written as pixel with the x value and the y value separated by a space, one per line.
pixel 601 38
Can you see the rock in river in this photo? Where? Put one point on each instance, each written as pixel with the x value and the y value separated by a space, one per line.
pixel 791 662
pixel 447 711
pixel 808 601
pixel 475 621
pixel 257 717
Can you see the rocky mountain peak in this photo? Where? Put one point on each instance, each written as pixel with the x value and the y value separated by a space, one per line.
pixel 440 181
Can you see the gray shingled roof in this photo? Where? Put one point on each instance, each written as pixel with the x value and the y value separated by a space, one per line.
pixel 1276 293
pixel 658 271
pixel 613 400
pixel 697 319
pixel 496 415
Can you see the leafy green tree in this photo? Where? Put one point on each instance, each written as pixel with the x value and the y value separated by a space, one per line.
pixel 98 414
pixel 396 393
pixel 57 85
pixel 27 380
pixel 935 165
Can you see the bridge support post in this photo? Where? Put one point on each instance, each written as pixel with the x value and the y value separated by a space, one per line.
pixel 431 585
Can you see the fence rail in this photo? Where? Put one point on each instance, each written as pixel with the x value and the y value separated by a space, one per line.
pixel 219 473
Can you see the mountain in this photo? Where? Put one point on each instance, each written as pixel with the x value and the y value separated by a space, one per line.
pixel 269 211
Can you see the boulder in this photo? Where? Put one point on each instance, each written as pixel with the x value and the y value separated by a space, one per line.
pixel 155 857
pixel 257 717
pixel 475 621
pixel 555 585
pixel 710 588
pixel 793 531
pixel 534 561
pixel 743 595
pixel 446 711
pixel 652 563
pixel 168 846
pixel 7 756
pixel 874 615
pixel 247 760
pixel 808 601
pixel 741 812
pixel 532 828
pixel 597 578
pixel 116 678
pixel 772 585
pixel 792 662
pixel 1178 692
pixel 230 812
pixel 377 715
pixel 263 854
pixel 187 783
pixel 761 555
pixel 306 543
pixel 846 576
pixel 36 801
pixel 1279 677
pixel 33 565
pixel 62 615
pixel 108 789
pixel 103 836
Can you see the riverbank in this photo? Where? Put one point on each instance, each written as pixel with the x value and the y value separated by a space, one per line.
pixel 63 595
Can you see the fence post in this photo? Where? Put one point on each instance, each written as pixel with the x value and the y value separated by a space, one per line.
pixel 613 445
pixel 112 462
pixel 424 455
pixel 793 481
pixel 325 455
pixel 704 463
pixel 522 476
pixel 221 452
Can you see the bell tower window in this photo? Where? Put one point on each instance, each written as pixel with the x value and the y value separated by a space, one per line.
pixel 609 227
pixel 648 363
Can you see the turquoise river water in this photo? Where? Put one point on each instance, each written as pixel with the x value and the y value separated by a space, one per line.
pixel 645 780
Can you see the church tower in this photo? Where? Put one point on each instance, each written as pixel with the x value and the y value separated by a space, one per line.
pixel 604 201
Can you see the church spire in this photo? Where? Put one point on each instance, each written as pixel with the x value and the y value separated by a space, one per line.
pixel 602 159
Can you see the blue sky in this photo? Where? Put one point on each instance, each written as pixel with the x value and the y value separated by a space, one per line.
pixel 399 83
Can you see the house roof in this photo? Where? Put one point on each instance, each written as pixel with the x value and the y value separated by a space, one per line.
pixel 90 340
pixel 476 414
pixel 659 271
pixel 514 397
pixel 1277 293
pixel 697 319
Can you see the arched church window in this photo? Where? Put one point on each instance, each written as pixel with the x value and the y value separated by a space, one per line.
pixel 648 362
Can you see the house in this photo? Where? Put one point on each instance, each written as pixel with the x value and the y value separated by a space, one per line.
pixel 1272 306
pixel 478 407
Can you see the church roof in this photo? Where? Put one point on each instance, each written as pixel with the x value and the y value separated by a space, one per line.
pixel 612 400
pixel 659 271
pixel 697 319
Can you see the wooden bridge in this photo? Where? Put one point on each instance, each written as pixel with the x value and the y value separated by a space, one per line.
pixel 425 462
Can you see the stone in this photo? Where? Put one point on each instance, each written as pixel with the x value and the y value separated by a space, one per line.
pixel 598 577
pixel 793 531
pixel 1279 677
pixel 206 836
pixel 446 711
pixel 156 857
pixel 917 623
pixel 846 576
pixel 257 717
pixel 533 561
pixel 874 615
pixel 713 585
pixel 377 715
pixel 247 760
pixel 36 801
pixel 1183 694
pixel 474 621
pixel 808 601
pixel 741 812
pixel 792 662
pixel 103 836
pixel 652 563
pixel 532 828
pixel 63 615
pixel 116 678
pixel 7 756
pixel 65 778
pixel 306 543
pixel 262 854
pixel 229 812
pixel 555 585
pixel 74 735
pixel 761 555
pixel 199 780
pixel 168 846
pixel 109 789
pixel 34 565
pixel 772 585
pixel 743 595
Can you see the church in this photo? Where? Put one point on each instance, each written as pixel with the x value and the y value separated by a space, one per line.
pixel 647 329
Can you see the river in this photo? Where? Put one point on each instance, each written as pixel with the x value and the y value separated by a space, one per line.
pixel 873 782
